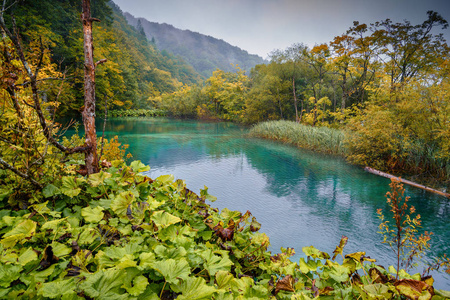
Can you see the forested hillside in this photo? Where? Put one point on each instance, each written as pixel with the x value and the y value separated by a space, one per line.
pixel 204 53
pixel 134 69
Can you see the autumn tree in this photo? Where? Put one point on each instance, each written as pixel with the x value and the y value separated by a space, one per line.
pixel 291 59
pixel 410 49
pixel 355 62
pixel 225 92
pixel 269 95
pixel 317 60
pixel 29 144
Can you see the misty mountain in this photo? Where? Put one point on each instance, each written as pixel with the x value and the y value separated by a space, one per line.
pixel 204 53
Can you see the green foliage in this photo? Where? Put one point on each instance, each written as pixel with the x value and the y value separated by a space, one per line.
pixel 136 113
pixel 405 131
pixel 123 235
pixel 221 97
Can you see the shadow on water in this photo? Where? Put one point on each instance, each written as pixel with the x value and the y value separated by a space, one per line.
pixel 301 198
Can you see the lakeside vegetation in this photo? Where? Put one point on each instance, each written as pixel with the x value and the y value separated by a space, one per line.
pixel 322 139
pixel 137 113
pixel 70 232
pixel 386 84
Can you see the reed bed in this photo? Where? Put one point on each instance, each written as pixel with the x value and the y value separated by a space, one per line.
pixel 322 139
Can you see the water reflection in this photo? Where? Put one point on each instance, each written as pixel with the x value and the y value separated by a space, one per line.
pixel 301 198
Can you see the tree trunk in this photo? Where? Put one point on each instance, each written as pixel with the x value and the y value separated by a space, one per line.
pixel 344 91
pixel 279 103
pixel 295 100
pixel 91 157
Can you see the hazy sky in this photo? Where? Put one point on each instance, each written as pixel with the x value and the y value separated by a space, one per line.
pixel 260 26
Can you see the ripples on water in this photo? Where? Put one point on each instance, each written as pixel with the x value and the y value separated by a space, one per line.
pixel 300 198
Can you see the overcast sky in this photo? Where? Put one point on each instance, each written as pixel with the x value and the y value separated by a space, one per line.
pixel 260 26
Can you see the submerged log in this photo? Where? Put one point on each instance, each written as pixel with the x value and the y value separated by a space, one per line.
pixel 376 172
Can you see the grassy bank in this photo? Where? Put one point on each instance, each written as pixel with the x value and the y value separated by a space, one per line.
pixel 415 161
pixel 322 139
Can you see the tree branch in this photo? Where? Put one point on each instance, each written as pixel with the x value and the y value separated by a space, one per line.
pixel 17 172
pixel 101 61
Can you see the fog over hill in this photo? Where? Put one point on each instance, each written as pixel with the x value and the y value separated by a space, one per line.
pixel 204 53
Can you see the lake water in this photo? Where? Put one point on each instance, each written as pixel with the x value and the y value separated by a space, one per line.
pixel 301 198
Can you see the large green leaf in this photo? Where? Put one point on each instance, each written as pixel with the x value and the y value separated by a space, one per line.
pixel 53 224
pixel 20 232
pixel 112 256
pixel 242 285
pixel 104 284
pixel 41 276
pixel 8 273
pixel 194 288
pixel 223 279
pixel 138 166
pixel 167 253
pixel 28 256
pixel 377 291
pixel 173 270
pixel 214 263
pixel 230 214
pixel 163 219
pixel 146 260
pixel 121 203
pixel 70 187
pixel 176 231
pixel 57 289
pixel 88 236
pixel 315 253
pixel 138 285
pixel 310 266
pixel 50 190
pixel 60 249
pixel 92 215
pixel 165 178
pixel 98 178
pixel 148 294
pixel 41 208
pixel 205 195
pixel 339 273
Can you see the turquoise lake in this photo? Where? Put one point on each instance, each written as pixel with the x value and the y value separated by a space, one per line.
pixel 301 198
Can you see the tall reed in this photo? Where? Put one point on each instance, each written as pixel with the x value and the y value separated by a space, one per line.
pixel 323 139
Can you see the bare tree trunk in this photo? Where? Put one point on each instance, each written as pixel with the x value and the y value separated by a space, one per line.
pixel 301 109
pixel 344 92
pixel 295 100
pixel 91 157
pixel 279 103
